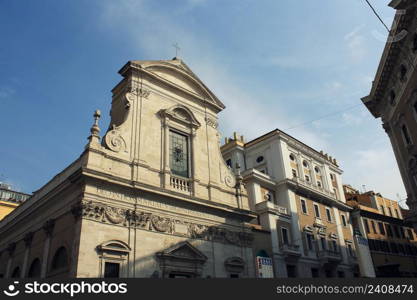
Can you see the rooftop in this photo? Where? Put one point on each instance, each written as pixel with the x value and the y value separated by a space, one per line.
pixel 10 195
pixel 239 141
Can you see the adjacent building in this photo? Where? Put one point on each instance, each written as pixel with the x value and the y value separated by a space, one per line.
pixel 392 240
pixel 393 96
pixel 10 199
pixel 298 197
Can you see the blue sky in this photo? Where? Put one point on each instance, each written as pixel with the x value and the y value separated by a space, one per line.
pixel 275 64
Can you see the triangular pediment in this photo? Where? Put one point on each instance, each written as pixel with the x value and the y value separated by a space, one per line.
pixel 183 250
pixel 181 113
pixel 176 73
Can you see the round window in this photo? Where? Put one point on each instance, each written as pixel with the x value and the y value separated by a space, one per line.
pixel 260 159
pixel 305 164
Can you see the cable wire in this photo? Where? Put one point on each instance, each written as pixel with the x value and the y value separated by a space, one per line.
pixel 410 61
pixel 377 15
pixel 324 116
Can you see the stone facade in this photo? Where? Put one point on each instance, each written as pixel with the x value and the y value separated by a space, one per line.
pixel 152 198
pixel 297 194
pixel 391 240
pixel 393 96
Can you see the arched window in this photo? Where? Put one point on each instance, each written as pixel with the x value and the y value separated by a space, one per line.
pixel 179 154
pixel 16 273
pixel 35 269
pixel 60 259
pixel 406 134
pixel 415 43
pixel 403 72
pixel 262 253
pixel 180 127
pixel 415 109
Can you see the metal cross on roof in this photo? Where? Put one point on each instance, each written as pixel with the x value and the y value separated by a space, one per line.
pixel 177 48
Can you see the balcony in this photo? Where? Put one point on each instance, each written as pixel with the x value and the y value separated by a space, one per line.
pixel 270 207
pixel 318 222
pixel 311 190
pixel 180 184
pixel 310 187
pixel 328 256
pixel 290 250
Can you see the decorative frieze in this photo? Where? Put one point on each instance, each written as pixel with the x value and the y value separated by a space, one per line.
pixel 136 90
pixel 104 213
pixel 212 123
pixel 134 198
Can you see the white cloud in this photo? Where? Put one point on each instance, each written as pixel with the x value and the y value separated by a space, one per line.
pixel 375 167
pixel 153 33
pixel 353 118
pixel 241 102
pixel 356 44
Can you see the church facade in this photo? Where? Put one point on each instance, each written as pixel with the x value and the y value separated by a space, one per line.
pixel 152 197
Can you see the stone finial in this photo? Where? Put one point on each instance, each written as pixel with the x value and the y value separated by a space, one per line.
pixel 95 130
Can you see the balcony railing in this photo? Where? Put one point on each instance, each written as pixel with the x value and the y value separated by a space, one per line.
pixel 290 249
pixel 180 184
pixel 314 188
pixel 268 206
pixel 329 256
